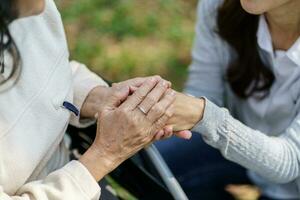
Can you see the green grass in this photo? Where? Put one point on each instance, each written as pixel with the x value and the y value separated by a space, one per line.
pixel 121 39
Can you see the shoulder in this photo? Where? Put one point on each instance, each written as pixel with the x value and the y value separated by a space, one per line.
pixel 208 8
pixel 207 12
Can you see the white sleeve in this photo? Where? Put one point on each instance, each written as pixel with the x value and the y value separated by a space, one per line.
pixel 83 82
pixel 73 181
pixel 206 75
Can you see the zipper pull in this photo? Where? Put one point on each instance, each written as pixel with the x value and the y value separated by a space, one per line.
pixel 69 106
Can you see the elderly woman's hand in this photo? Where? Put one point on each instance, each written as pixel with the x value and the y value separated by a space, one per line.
pixel 127 124
pixel 98 96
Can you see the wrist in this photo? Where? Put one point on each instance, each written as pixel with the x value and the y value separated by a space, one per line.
pixel 97 162
pixel 196 106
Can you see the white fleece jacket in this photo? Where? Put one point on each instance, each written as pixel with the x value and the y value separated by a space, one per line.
pixel 33 157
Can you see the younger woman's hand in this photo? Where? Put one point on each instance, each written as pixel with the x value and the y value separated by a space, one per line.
pixel 188 112
pixel 127 124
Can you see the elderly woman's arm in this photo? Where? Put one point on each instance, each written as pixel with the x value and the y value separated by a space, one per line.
pixel 124 130
pixel 126 127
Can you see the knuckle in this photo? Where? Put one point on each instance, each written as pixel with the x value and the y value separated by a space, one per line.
pixel 114 84
pixel 150 100
pixel 170 94
pixel 159 109
pixel 139 95
pixel 117 94
pixel 157 77
pixel 159 123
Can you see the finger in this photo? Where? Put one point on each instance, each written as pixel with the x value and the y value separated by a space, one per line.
pixel 137 82
pixel 133 89
pixel 168 132
pixel 160 108
pixel 161 122
pixel 184 134
pixel 118 96
pixel 159 135
pixel 138 96
pixel 154 96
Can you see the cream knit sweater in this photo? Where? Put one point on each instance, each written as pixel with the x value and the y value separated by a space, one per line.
pixel 34 160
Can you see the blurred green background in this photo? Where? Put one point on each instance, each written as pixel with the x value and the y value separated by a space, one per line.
pixel 121 39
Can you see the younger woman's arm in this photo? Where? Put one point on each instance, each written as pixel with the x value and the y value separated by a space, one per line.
pixel 275 158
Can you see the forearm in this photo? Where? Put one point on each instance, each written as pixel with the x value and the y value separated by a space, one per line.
pixel 97 163
pixel 273 158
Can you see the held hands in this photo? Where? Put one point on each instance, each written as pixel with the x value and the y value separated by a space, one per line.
pixel 98 97
pixel 128 123
pixel 184 107
pixel 131 115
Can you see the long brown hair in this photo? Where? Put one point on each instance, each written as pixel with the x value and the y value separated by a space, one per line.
pixel 247 74
pixel 7 14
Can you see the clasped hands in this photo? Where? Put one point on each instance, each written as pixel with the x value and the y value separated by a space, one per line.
pixel 131 115
pixel 186 110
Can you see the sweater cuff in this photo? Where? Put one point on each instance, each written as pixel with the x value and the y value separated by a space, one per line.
pixel 213 117
pixel 83 178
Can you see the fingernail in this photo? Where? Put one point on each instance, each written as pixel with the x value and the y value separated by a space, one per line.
pixel 173 93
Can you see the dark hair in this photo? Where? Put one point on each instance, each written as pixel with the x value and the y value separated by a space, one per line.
pixel 247 74
pixel 7 14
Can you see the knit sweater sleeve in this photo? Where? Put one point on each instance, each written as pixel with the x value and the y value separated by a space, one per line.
pixel 275 158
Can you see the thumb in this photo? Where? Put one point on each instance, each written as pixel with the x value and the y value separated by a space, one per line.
pixel 184 134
